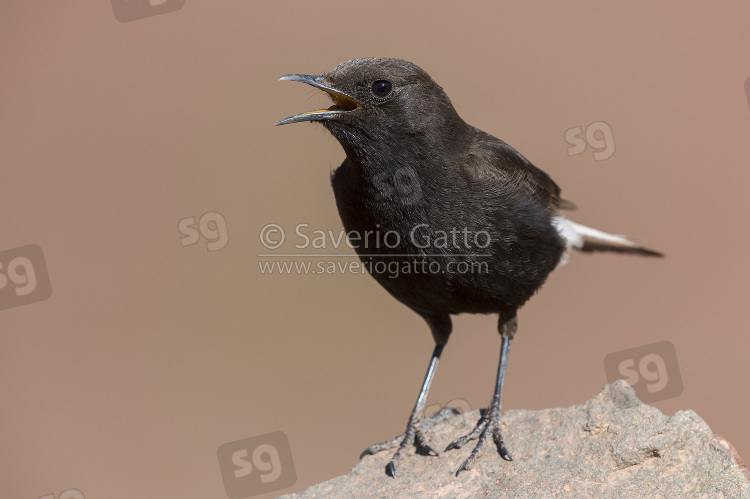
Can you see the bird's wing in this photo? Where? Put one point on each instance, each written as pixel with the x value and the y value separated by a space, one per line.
pixel 492 158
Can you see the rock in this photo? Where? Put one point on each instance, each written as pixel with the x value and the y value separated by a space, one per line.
pixel 611 446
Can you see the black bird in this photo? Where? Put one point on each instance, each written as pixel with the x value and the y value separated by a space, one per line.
pixel 474 223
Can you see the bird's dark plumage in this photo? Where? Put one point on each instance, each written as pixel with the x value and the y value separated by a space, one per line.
pixel 415 169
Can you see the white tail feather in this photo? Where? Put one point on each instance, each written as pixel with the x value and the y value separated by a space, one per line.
pixel 588 239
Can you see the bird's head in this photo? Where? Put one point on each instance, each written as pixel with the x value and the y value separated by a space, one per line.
pixel 378 101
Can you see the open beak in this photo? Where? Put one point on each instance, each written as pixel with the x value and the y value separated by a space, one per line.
pixel 342 103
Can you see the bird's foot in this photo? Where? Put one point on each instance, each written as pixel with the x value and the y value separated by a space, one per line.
pixel 414 435
pixel 489 424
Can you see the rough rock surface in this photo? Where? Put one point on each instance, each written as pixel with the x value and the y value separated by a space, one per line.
pixel 611 446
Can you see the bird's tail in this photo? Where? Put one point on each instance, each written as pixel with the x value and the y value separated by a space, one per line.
pixel 587 239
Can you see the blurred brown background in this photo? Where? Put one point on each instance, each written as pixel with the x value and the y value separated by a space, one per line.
pixel 149 355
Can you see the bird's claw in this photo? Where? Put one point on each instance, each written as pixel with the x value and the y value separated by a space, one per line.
pixel 488 425
pixel 389 444
pixel 390 469
pixel 413 436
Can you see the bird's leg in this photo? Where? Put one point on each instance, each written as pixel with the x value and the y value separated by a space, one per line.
pixel 489 423
pixel 413 434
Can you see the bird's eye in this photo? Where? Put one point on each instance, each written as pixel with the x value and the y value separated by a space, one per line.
pixel 381 89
